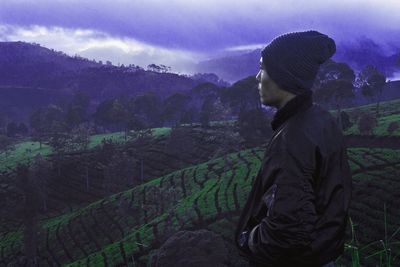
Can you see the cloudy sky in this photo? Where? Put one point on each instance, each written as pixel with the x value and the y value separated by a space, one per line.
pixel 177 32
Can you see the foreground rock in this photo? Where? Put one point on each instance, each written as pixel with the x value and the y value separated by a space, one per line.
pixel 201 248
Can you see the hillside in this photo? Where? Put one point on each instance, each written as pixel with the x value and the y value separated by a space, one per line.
pixel 83 177
pixel 111 231
pixel 30 65
pixel 194 183
pixel 19 57
pixel 31 72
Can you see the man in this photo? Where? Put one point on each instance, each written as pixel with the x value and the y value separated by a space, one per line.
pixel 297 211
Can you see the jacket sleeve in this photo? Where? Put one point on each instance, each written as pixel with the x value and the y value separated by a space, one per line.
pixel 289 224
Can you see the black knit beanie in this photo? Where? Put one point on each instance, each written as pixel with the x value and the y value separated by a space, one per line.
pixel 292 60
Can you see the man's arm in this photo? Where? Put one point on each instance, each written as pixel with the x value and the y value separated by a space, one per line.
pixel 289 224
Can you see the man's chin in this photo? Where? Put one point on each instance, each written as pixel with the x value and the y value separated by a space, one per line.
pixel 267 103
pixel 264 102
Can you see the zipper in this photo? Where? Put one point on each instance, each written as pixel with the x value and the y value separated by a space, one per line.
pixel 266 202
pixel 270 198
pixel 274 136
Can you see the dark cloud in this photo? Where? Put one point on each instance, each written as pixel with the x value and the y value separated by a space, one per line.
pixel 211 25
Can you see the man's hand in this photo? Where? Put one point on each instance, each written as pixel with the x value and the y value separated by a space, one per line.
pixel 244 241
pixel 250 240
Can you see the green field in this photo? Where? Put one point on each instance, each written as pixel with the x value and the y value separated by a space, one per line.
pixel 107 233
pixel 381 128
pixel 24 152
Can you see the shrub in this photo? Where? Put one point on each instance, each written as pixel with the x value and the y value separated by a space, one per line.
pixel 393 126
pixel 366 123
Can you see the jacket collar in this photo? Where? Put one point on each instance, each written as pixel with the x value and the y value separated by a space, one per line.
pixel 296 105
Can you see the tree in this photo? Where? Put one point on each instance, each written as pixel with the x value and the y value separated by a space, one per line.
pixel 336 90
pixel 77 109
pixel 146 108
pixel 331 70
pixel 206 112
pixel 80 137
pixel 393 126
pixel 59 141
pixel 372 82
pixel 112 112
pixel 165 69
pixel 204 96
pixel 204 90
pixel 29 211
pixel 40 174
pixel 242 95
pixel 3 123
pixel 135 123
pixel 107 150
pixel 43 119
pixel 324 85
pixel 5 143
pixel 22 129
pixel 209 78
pixel 12 129
pixel 154 67
pixel 189 116
pixel 175 106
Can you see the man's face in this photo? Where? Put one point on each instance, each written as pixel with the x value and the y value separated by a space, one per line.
pixel 270 94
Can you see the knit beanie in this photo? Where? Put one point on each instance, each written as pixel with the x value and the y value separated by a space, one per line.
pixel 292 60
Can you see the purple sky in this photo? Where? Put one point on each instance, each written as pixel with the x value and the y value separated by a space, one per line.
pixel 183 31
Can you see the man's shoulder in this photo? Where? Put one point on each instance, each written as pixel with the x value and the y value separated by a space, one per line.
pixel 314 119
pixel 317 113
pixel 316 125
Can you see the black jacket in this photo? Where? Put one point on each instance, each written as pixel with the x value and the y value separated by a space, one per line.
pixel 297 209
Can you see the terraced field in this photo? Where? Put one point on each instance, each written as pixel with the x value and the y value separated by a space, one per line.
pixel 195 187
pixel 105 232
pixel 82 177
pixel 129 225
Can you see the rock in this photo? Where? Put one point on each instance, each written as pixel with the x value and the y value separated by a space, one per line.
pixel 201 248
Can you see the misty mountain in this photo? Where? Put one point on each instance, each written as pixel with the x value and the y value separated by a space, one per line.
pixel 30 65
pixel 364 52
pixel 232 67
pixel 31 76
pixel 35 59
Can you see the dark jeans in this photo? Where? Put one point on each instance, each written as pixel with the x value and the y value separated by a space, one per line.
pixel 330 264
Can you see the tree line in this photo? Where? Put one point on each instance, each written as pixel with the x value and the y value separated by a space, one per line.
pixel 336 84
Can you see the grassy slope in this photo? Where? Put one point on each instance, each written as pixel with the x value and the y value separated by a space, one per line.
pixel 195 187
pixel 206 198
pixel 381 128
pixel 24 152
pixel 385 108
pixel 389 111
